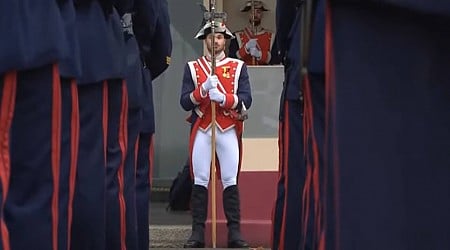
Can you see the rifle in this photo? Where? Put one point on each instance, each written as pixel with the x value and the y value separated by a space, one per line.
pixel 212 15
pixel 253 28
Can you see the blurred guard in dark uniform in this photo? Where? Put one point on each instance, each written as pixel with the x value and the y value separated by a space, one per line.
pixel 292 167
pixel 70 70
pixel 120 200
pixel 142 16
pixel 156 48
pixel 38 64
pixel 388 99
pixel 299 197
pixel 102 92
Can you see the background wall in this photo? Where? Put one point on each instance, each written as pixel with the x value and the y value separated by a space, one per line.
pixel 171 138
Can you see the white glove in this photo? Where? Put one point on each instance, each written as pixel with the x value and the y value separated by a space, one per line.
pixel 210 83
pixel 255 52
pixel 216 96
pixel 252 43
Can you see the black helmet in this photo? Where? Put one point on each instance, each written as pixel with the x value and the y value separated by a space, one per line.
pixel 219 27
pixel 258 5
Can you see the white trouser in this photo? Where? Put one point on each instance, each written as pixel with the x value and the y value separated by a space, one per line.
pixel 227 150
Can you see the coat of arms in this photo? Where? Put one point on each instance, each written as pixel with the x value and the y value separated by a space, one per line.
pixel 226 71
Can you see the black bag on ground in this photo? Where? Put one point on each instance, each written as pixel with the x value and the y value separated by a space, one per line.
pixel 180 191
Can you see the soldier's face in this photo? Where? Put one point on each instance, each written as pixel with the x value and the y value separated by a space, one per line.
pixel 258 16
pixel 219 42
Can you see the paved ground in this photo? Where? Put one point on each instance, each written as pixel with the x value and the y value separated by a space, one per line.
pixel 168 229
pixel 160 216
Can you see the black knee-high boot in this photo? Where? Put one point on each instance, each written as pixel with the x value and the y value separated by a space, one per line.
pixel 231 206
pixel 199 205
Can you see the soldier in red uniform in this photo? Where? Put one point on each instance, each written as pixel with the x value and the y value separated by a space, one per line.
pixel 253 44
pixel 230 89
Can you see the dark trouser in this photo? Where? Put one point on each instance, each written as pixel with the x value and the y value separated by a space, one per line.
pixel 69 156
pixel 392 99
pixel 88 223
pixel 31 207
pixel 313 195
pixel 116 228
pixel 288 205
pixel 134 119
pixel 143 184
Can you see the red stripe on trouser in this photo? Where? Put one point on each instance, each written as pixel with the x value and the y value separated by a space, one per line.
pixel 307 183
pixel 74 139
pixel 280 158
pixel 151 154
pixel 105 119
pixel 6 115
pixel 285 166
pixel 56 150
pixel 136 151
pixel 330 100
pixel 306 202
pixel 313 168
pixel 123 143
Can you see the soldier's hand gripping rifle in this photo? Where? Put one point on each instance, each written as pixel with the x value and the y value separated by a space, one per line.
pixel 242 115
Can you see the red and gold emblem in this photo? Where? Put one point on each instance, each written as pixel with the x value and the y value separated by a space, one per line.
pixel 226 71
